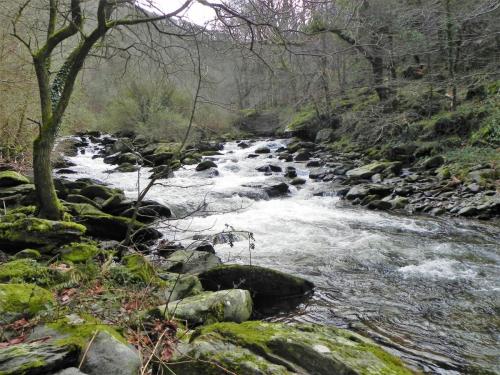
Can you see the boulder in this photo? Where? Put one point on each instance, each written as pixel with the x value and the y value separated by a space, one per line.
pixel 260 348
pixel 98 191
pixel 190 261
pixel 37 358
pixel 107 355
pixel 76 198
pixel 324 136
pixel 233 305
pixel 361 191
pixel 179 286
pixel 31 232
pixel 277 190
pixel 12 178
pixel 263 150
pixel 298 181
pixel 269 168
pixel 433 162
pixel 126 168
pixel 30 271
pixel 204 165
pixel 303 155
pixel 23 300
pixel 261 282
pixel 367 171
pixel 78 252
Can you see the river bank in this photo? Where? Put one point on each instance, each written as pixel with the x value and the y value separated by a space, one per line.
pixel 238 192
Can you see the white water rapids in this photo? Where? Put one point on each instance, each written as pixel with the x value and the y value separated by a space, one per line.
pixel 428 289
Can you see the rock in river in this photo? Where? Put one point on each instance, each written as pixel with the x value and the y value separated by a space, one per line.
pixel 259 348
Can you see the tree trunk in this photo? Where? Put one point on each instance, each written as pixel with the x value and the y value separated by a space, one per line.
pixel 49 206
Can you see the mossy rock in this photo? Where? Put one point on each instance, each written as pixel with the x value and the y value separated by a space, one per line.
pixel 29 271
pixel 260 348
pixel 31 232
pixel 166 148
pixel 36 358
pixel 138 266
pixel 23 300
pixel 78 252
pixel 12 178
pixel 28 254
pixel 98 191
pixel 190 261
pixel 179 286
pixel 233 305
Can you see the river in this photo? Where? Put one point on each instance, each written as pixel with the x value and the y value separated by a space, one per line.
pixel 428 289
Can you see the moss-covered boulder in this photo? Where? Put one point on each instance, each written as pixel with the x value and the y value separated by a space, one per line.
pixel 29 271
pixel 98 191
pixel 36 358
pixel 190 261
pixel 108 354
pixel 23 300
pixel 204 165
pixel 19 190
pixel 179 286
pixel 28 254
pixel 262 282
pixel 12 178
pixel 140 269
pixel 233 305
pixel 78 252
pixel 259 348
pixel 31 232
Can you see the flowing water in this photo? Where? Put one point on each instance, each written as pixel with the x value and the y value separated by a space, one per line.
pixel 428 289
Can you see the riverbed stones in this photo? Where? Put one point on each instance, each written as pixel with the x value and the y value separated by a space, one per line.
pixel 262 150
pixel 204 165
pixel 233 305
pixel 36 358
pixel 298 181
pixel 260 348
pixel 190 261
pixel 12 178
pixel 260 281
pixel 277 190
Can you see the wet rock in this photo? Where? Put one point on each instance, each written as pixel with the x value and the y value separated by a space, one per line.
pixel 269 168
pixel 261 282
pixel 379 205
pixel 127 168
pixel 298 181
pixel 30 232
pixel 243 145
pixel 122 145
pixel 252 156
pixel 433 162
pixel 107 355
pixel 291 172
pixel 277 190
pixel 261 348
pixel 37 358
pixel 205 246
pixel 12 178
pixel 190 261
pixel 468 211
pixel 233 305
pixel 303 155
pixel 361 191
pixel 263 150
pixel 66 171
pixel 313 164
pixel 204 165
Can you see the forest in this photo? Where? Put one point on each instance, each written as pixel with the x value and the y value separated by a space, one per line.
pixel 250 187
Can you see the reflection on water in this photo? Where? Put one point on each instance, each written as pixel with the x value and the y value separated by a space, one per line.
pixel 428 289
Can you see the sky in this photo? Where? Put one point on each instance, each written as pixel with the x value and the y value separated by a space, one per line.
pixel 197 13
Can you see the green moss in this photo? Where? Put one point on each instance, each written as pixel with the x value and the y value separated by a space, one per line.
pixel 80 330
pixel 19 299
pixel 138 266
pixel 12 178
pixel 26 210
pixel 78 252
pixel 29 270
pixel 301 119
pixel 167 148
pixel 28 254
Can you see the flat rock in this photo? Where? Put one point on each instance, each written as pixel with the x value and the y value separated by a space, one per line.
pixel 260 348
